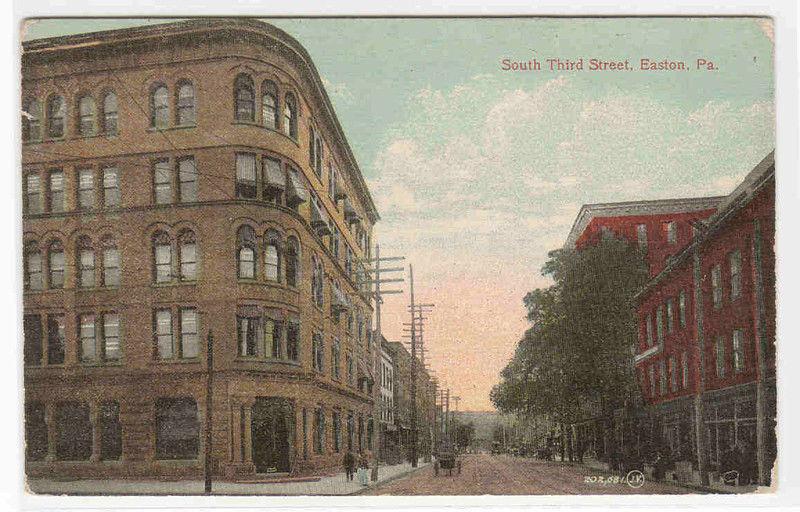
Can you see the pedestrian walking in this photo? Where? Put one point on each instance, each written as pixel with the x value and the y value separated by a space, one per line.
pixel 349 464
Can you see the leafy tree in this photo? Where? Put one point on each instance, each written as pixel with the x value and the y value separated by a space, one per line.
pixel 576 357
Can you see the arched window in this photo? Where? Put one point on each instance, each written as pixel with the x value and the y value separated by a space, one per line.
pixel 186 112
pixel 269 104
pixel 246 253
pixel 159 106
pixel 272 260
pixel 290 116
pixel 110 262
pixel 244 96
pixel 110 113
pixel 55 261
pixel 292 261
pixel 162 257
pixel 33 267
pixel 56 111
pixel 85 253
pixel 31 120
pixel 187 245
pixel 86 116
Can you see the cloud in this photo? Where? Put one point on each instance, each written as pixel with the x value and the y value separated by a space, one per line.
pixel 339 90
pixel 480 182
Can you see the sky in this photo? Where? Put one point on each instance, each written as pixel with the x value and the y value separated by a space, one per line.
pixel 478 172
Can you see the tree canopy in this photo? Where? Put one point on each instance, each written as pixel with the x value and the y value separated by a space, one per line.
pixel 576 356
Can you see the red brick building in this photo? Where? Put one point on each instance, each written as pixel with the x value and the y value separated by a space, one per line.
pixel 180 179
pixel 707 334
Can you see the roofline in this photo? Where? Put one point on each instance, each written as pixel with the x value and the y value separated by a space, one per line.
pixel 175 28
pixel 589 212
pixel 740 197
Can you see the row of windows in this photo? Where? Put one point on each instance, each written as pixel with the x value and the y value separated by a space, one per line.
pixel 87 121
pixel 668 322
pixel 99 336
pixel 177 429
pixel 667 370
pixel 734 359
pixel 387 409
pixel 272 114
pixel 89 274
pixel 94 188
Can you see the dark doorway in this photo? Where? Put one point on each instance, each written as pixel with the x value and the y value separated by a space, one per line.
pixel 272 426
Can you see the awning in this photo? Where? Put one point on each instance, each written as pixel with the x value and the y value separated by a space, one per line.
pixel 365 369
pixel 340 300
pixel 295 191
pixel 319 220
pixel 350 212
pixel 273 176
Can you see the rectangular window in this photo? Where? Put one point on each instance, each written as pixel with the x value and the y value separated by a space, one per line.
pixel 248 335
pixel 720 357
pixel 685 371
pixel 190 342
pixel 32 327
pixel 56 339
pixel 671 229
pixel 73 431
pixel 188 255
pixel 662 377
pixel 110 431
pixel 682 308
pixel 246 175
pixel 86 189
pixel 735 259
pixel 86 261
pixel 651 371
pixel 274 331
pixel 738 350
pixel 86 326
pixel 111 267
pixel 337 431
pixel 670 316
pixel 163 331
pixel 660 325
pixel 273 180
pixel 187 176
pixel 111 193
pixel 319 430
pixel 293 341
pixel 33 193
pixel 305 433
pixel 318 167
pixel 177 428
pixel 111 337
pixel 673 374
pixel 56 191
pixel 162 179
pixel 312 139
pixel 163 257
pixel 318 352
pixel 335 362
pixel 641 236
pixel 351 374
pixel 716 286
pixel 332 183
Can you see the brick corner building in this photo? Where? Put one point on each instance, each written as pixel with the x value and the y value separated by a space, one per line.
pixel 182 179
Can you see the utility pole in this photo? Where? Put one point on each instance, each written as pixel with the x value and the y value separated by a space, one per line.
pixel 209 408
pixel 377 279
pixel 456 399
pixel 413 372
pixel 447 417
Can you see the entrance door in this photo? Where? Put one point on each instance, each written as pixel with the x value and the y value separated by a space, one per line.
pixel 271 427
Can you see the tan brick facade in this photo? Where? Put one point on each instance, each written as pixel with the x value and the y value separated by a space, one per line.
pixel 208 54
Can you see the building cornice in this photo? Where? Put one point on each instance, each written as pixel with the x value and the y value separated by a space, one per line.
pixel 589 212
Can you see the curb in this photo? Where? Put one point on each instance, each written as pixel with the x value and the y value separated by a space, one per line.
pixel 390 479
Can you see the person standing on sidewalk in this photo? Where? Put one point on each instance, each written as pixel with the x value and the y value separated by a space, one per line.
pixel 349 464
pixel 363 468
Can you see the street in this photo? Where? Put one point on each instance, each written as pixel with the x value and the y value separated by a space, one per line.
pixel 503 474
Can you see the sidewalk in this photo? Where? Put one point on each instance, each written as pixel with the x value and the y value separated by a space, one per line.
pixel 326 485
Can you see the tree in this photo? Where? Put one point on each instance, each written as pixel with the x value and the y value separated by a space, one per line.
pixel 576 356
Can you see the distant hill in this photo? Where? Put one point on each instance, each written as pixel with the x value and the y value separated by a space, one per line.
pixel 484 422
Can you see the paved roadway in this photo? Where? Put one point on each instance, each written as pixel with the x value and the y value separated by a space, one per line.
pixel 503 474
